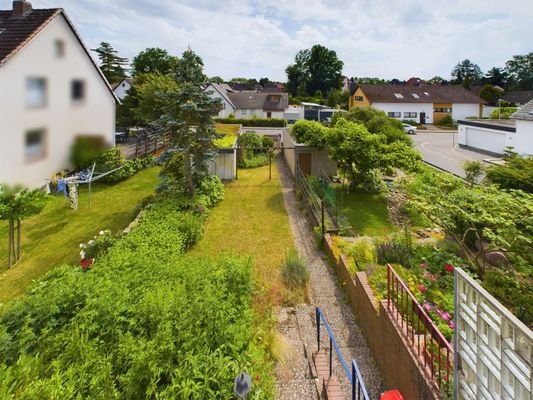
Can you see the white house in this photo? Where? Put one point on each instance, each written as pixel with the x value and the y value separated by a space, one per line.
pixel 495 135
pixel 121 88
pixel 248 104
pixel 51 91
pixel 425 104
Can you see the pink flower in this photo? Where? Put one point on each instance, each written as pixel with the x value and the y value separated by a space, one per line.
pixel 423 266
pixel 429 275
pixel 422 288
pixel 449 268
pixel 427 306
pixel 446 316
pixel 451 325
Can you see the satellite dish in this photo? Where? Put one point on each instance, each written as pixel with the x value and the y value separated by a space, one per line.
pixel 243 385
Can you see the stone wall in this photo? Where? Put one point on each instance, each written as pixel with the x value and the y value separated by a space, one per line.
pixel 399 366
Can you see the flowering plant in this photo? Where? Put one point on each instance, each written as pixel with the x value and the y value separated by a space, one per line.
pixel 95 247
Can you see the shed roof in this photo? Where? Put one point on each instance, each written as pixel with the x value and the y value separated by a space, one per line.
pixel 525 113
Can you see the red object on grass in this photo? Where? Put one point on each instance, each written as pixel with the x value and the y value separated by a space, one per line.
pixel 391 395
pixel 86 263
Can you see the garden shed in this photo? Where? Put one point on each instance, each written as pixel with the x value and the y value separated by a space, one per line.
pixel 224 165
pixel 311 161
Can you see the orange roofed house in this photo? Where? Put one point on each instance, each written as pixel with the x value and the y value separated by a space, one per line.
pixel 423 104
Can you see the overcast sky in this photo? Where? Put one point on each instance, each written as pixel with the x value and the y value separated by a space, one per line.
pixel 259 38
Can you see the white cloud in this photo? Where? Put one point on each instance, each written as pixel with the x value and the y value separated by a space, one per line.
pixel 256 38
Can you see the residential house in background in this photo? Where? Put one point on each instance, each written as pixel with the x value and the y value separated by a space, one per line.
pixel 121 88
pixel 51 92
pixel 494 136
pixel 423 104
pixel 518 97
pixel 248 104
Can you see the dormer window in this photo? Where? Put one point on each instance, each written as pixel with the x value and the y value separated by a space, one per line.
pixel 398 95
pixel 415 95
pixel 59 46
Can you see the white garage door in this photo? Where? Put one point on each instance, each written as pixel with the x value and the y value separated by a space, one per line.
pixel 485 139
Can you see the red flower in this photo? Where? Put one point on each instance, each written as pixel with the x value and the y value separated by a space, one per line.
pixel 257 378
pixel 449 268
pixel 86 263
pixel 422 288
pixel 423 266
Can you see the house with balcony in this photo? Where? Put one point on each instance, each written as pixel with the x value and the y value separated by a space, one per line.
pixel 422 104
pixel 51 92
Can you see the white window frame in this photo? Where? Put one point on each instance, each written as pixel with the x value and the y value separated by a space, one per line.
pixel 35 152
pixel 36 92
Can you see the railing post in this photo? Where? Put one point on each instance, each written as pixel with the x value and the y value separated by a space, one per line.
pixel 388 286
pixel 318 327
pixel 353 381
pixel 330 357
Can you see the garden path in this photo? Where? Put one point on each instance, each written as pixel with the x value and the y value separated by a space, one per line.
pixel 298 324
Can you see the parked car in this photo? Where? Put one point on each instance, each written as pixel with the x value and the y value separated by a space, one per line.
pixel 410 129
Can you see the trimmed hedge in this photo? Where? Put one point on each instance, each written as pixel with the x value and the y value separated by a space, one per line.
pixel 259 122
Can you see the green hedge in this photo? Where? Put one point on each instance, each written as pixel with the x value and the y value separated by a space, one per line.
pixel 144 322
pixel 260 122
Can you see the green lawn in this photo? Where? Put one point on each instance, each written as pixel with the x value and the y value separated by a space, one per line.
pixel 251 220
pixel 53 237
pixel 367 213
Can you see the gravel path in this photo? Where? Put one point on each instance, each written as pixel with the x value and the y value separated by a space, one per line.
pixel 298 324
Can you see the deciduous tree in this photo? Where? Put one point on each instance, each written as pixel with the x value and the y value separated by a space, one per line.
pixel 520 72
pixel 153 60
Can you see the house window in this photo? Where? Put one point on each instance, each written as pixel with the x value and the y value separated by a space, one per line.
pixel 77 90
pixel 409 115
pixel 442 110
pixel 34 148
pixel 398 95
pixel 59 48
pixel 274 99
pixel 394 114
pixel 244 112
pixel 415 95
pixel 36 92
pixel 358 98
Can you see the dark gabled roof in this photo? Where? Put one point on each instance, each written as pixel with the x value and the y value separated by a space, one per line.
pixel 519 96
pixel 259 101
pixel 16 32
pixel 419 94
pixel 525 113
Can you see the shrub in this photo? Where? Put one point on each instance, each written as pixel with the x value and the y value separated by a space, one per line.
pixel 250 140
pixel 84 150
pixel 97 246
pixel 259 122
pixel 502 112
pixel 473 170
pixel 267 141
pixel 294 270
pixel 398 249
pixel 213 189
pixel 516 174
pixel 363 253
pixel 255 161
pixel 191 228
pixel 446 122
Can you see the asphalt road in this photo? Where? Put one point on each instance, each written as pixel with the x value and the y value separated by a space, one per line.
pixel 437 148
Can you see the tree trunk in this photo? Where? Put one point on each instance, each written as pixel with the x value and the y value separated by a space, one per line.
pixel 187 172
pixel 18 240
pixel 10 245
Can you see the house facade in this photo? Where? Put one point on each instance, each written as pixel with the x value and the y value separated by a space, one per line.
pixel 248 104
pixel 423 104
pixel 121 88
pixel 51 93
pixel 495 135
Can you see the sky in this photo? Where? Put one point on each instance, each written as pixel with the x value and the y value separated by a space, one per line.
pixel 259 38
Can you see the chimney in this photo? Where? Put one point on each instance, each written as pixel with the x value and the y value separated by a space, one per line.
pixel 20 8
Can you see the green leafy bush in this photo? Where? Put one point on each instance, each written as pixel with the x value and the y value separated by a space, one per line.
pixel 294 270
pixel 516 174
pixel 112 159
pixel 446 122
pixel 255 161
pixel 213 190
pixel 267 141
pixel 191 227
pixel 502 112
pixel 97 246
pixel 398 249
pixel 84 150
pixel 259 122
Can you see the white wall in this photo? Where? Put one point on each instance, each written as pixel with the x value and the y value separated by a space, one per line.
pixel 227 108
pixel 249 113
pixel 121 89
pixel 522 140
pixel 224 165
pixel 61 119
pixel 462 111
pixel 411 107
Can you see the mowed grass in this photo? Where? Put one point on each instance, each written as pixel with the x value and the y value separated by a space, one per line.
pixel 367 213
pixel 252 221
pixel 53 237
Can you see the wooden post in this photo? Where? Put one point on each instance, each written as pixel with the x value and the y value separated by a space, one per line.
pixel 322 212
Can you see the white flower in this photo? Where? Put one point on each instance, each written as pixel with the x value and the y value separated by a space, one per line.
pixel 82 255
pixel 91 242
pixel 81 245
pixel 101 232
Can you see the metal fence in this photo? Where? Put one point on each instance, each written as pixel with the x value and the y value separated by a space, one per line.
pixel 354 376
pixel 315 204
pixel 429 344
pixel 148 143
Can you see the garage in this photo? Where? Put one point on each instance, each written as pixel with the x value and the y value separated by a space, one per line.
pixel 489 137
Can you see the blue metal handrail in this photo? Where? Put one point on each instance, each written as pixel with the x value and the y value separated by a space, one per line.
pixel 355 378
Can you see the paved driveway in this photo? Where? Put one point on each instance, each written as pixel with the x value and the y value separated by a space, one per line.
pixel 439 148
